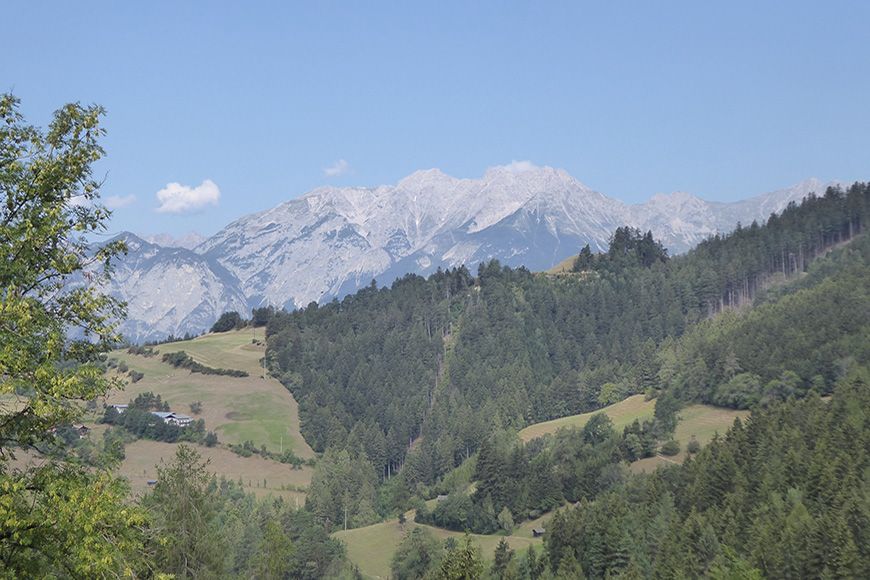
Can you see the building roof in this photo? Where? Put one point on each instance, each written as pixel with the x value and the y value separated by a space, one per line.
pixel 171 415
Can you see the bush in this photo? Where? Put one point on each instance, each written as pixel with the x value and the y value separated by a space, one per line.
pixel 136 376
pixel 145 351
pixel 693 446
pixel 228 321
pixel 671 447
pixel 182 360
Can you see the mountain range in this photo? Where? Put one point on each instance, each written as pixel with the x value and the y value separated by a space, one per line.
pixel 333 240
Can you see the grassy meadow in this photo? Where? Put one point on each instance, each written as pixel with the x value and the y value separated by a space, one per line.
pixel 236 408
pixel 622 414
pixel 258 475
pixel 699 421
pixel 372 547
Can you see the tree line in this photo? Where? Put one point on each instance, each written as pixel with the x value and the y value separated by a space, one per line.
pixel 416 376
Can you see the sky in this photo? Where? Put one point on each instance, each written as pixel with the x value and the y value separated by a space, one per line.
pixel 219 109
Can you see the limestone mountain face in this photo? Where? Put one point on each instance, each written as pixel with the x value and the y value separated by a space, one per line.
pixel 333 240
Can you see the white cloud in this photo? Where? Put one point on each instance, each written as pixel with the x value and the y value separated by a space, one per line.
pixel 340 167
pixel 519 166
pixel 119 201
pixel 178 198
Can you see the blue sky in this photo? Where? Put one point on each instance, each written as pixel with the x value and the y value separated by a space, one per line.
pixel 259 101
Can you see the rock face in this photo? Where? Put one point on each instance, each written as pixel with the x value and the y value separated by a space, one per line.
pixel 171 291
pixel 331 241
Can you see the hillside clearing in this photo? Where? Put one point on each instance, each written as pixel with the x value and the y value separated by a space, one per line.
pixel 372 547
pixel 258 475
pixel 699 421
pixel 622 414
pixel 236 408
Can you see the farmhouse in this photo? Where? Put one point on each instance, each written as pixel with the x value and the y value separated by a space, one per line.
pixel 82 430
pixel 173 418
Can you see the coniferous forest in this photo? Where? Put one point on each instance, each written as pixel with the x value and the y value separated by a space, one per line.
pixel 419 374
pixel 412 381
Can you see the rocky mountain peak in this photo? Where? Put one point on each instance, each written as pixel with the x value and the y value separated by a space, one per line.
pixel 333 240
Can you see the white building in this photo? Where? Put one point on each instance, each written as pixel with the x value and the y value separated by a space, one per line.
pixel 172 418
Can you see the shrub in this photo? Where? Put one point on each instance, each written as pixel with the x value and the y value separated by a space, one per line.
pixel 671 447
pixel 183 360
pixel 228 321
pixel 693 446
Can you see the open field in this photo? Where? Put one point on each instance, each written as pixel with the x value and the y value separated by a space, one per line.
pixel 260 476
pixel 704 421
pixel 372 547
pixel 236 408
pixel 229 350
pixel 564 266
pixel 699 421
pixel 622 414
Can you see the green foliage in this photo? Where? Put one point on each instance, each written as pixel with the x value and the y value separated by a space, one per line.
pixel 140 422
pixel 454 358
pixel 786 347
pixel 777 497
pixel 417 555
pixel 502 560
pixel 670 448
pixel 185 508
pixel 462 562
pixel 228 321
pixel 145 351
pixel 261 316
pixel 275 552
pixel 59 519
pixel 506 520
pixel 183 360
pixel 342 491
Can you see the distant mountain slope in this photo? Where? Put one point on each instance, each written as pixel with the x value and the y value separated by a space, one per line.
pixel 333 241
pixel 171 291
pixel 187 241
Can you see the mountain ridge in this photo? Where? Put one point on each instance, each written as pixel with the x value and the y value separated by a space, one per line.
pixel 333 240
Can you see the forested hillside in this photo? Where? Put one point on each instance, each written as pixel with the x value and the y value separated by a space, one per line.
pixel 418 375
pixel 783 496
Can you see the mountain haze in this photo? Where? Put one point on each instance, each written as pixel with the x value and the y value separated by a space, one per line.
pixel 333 240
